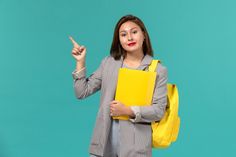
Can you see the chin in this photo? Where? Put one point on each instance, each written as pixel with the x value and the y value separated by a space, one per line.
pixel 133 49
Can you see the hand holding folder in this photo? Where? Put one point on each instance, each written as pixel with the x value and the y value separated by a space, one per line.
pixel 135 87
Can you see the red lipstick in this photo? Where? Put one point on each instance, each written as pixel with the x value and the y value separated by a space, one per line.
pixel 131 44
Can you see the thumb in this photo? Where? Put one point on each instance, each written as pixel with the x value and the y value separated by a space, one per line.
pixel 115 101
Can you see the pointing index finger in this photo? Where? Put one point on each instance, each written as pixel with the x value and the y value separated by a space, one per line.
pixel 73 42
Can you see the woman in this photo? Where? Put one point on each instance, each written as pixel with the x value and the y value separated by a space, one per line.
pixel 131 48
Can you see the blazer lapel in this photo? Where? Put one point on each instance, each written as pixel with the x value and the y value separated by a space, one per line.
pixel 146 61
pixel 114 79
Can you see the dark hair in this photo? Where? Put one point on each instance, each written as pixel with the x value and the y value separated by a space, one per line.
pixel 116 50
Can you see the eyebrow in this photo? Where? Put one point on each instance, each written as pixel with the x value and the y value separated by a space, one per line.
pixel 130 29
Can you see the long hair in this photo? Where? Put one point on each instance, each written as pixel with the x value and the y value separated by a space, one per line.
pixel 117 50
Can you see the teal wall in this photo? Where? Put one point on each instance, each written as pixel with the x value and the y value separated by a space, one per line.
pixel 39 114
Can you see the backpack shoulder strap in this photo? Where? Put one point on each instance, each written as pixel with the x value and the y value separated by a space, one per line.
pixel 153 66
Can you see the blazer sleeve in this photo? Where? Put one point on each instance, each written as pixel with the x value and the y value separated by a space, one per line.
pixel 155 111
pixel 84 87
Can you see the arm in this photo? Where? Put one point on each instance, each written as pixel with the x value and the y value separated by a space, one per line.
pixel 156 111
pixel 83 86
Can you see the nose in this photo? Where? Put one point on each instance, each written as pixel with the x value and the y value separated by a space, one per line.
pixel 130 37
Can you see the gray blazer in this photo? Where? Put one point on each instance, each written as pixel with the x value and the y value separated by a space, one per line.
pixel 135 137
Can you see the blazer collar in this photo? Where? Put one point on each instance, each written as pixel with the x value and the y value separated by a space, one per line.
pixel 146 61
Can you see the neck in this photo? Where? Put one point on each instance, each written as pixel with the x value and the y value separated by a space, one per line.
pixel 134 56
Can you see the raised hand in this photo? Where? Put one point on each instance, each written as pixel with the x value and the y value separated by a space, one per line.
pixel 78 52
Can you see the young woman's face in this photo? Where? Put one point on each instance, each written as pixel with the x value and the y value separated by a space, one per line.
pixel 131 36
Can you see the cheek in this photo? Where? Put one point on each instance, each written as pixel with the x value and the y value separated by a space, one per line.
pixel 140 37
pixel 140 40
pixel 122 42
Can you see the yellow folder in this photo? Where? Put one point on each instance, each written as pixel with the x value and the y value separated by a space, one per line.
pixel 135 87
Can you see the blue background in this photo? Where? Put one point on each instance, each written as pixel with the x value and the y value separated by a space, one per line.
pixel 39 114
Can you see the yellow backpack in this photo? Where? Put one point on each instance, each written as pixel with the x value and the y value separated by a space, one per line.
pixel 166 131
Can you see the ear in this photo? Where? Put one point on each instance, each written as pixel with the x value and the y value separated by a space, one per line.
pixel 143 35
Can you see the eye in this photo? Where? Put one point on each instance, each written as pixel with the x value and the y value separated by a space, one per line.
pixel 123 34
pixel 135 31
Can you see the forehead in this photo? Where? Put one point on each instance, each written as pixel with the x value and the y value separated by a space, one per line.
pixel 128 25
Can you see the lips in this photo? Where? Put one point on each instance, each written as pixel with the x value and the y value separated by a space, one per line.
pixel 131 44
